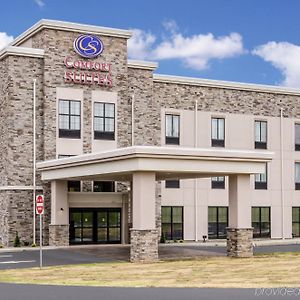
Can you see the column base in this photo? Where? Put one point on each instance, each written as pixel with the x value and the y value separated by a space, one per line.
pixel 144 245
pixel 240 242
pixel 59 235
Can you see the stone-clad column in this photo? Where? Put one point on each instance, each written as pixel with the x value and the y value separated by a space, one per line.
pixel 143 235
pixel 59 227
pixel 240 231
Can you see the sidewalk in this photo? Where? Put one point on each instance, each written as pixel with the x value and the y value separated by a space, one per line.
pixel 209 243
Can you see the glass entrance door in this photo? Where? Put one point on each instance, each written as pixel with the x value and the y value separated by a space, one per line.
pixel 95 225
pixel 109 226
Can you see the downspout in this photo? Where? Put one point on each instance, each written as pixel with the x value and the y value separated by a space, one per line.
pixel 281 173
pixel 132 119
pixel 34 157
pixel 196 181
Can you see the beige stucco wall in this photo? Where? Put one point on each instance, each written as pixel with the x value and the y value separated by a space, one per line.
pixel 239 134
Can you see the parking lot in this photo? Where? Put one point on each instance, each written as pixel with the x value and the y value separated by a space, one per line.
pixel 25 258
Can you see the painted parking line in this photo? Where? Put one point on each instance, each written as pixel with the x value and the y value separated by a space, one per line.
pixel 17 261
pixel 5 256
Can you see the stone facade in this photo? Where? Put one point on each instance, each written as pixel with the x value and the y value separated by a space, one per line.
pixel 59 235
pixel 240 242
pixel 152 96
pixel 144 245
pixel 16 160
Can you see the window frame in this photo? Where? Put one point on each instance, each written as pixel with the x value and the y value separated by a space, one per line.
pixel 104 134
pixel 69 133
pixel 218 184
pixel 259 144
pixel 296 222
pixel 297 146
pixel 260 235
pixel 297 183
pixel 70 182
pixel 261 185
pixel 172 140
pixel 112 183
pixel 217 142
pixel 217 235
pixel 172 184
pixel 171 223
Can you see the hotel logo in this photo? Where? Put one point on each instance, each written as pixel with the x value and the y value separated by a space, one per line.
pixel 88 46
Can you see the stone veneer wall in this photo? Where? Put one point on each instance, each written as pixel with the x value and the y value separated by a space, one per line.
pixel 179 96
pixel 240 242
pixel 16 147
pixel 144 245
pixel 4 109
pixel 59 235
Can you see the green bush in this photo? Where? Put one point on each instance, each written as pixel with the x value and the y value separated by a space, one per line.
pixel 163 238
pixel 17 241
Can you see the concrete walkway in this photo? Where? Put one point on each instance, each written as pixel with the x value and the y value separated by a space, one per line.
pixel 210 243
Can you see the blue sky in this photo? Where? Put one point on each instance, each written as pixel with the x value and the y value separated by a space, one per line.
pixel 255 41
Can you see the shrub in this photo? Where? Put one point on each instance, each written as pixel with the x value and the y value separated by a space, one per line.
pixel 17 241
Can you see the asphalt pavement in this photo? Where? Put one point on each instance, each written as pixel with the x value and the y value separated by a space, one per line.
pixel 12 259
pixel 35 292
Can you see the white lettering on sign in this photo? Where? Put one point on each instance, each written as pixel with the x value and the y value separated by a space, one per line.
pixel 39 205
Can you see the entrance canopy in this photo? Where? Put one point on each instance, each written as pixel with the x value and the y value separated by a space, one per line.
pixel 166 162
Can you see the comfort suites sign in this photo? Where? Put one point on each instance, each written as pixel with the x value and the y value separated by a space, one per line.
pixel 87 70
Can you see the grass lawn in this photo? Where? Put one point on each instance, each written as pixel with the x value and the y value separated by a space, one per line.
pixel 268 270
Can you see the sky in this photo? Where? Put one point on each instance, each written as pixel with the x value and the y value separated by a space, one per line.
pixel 252 41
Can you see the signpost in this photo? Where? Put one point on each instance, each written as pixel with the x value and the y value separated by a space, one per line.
pixel 39 207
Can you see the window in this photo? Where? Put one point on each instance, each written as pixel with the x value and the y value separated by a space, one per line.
pixel 69 119
pixel 261 222
pixel 104 121
pixel 261 180
pixel 104 186
pixel 297 176
pixel 296 221
pixel 172 222
pixel 172 129
pixel 260 134
pixel 74 186
pixel 297 137
pixel 218 132
pixel 217 222
pixel 172 184
pixel 218 182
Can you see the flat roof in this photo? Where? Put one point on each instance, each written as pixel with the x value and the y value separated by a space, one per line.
pixel 166 162
pixel 225 84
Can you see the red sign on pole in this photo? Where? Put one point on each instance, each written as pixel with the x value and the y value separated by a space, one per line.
pixel 39 206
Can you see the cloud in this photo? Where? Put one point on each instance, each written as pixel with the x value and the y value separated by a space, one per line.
pixel 5 39
pixel 285 57
pixel 40 3
pixel 140 43
pixel 194 51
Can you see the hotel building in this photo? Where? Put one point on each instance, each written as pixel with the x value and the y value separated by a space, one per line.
pixel 125 155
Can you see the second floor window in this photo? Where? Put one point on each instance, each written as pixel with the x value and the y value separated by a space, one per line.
pixel 261 180
pixel 297 137
pixel 297 176
pixel 172 184
pixel 218 182
pixel 218 132
pixel 260 134
pixel 104 121
pixel 69 119
pixel 172 129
